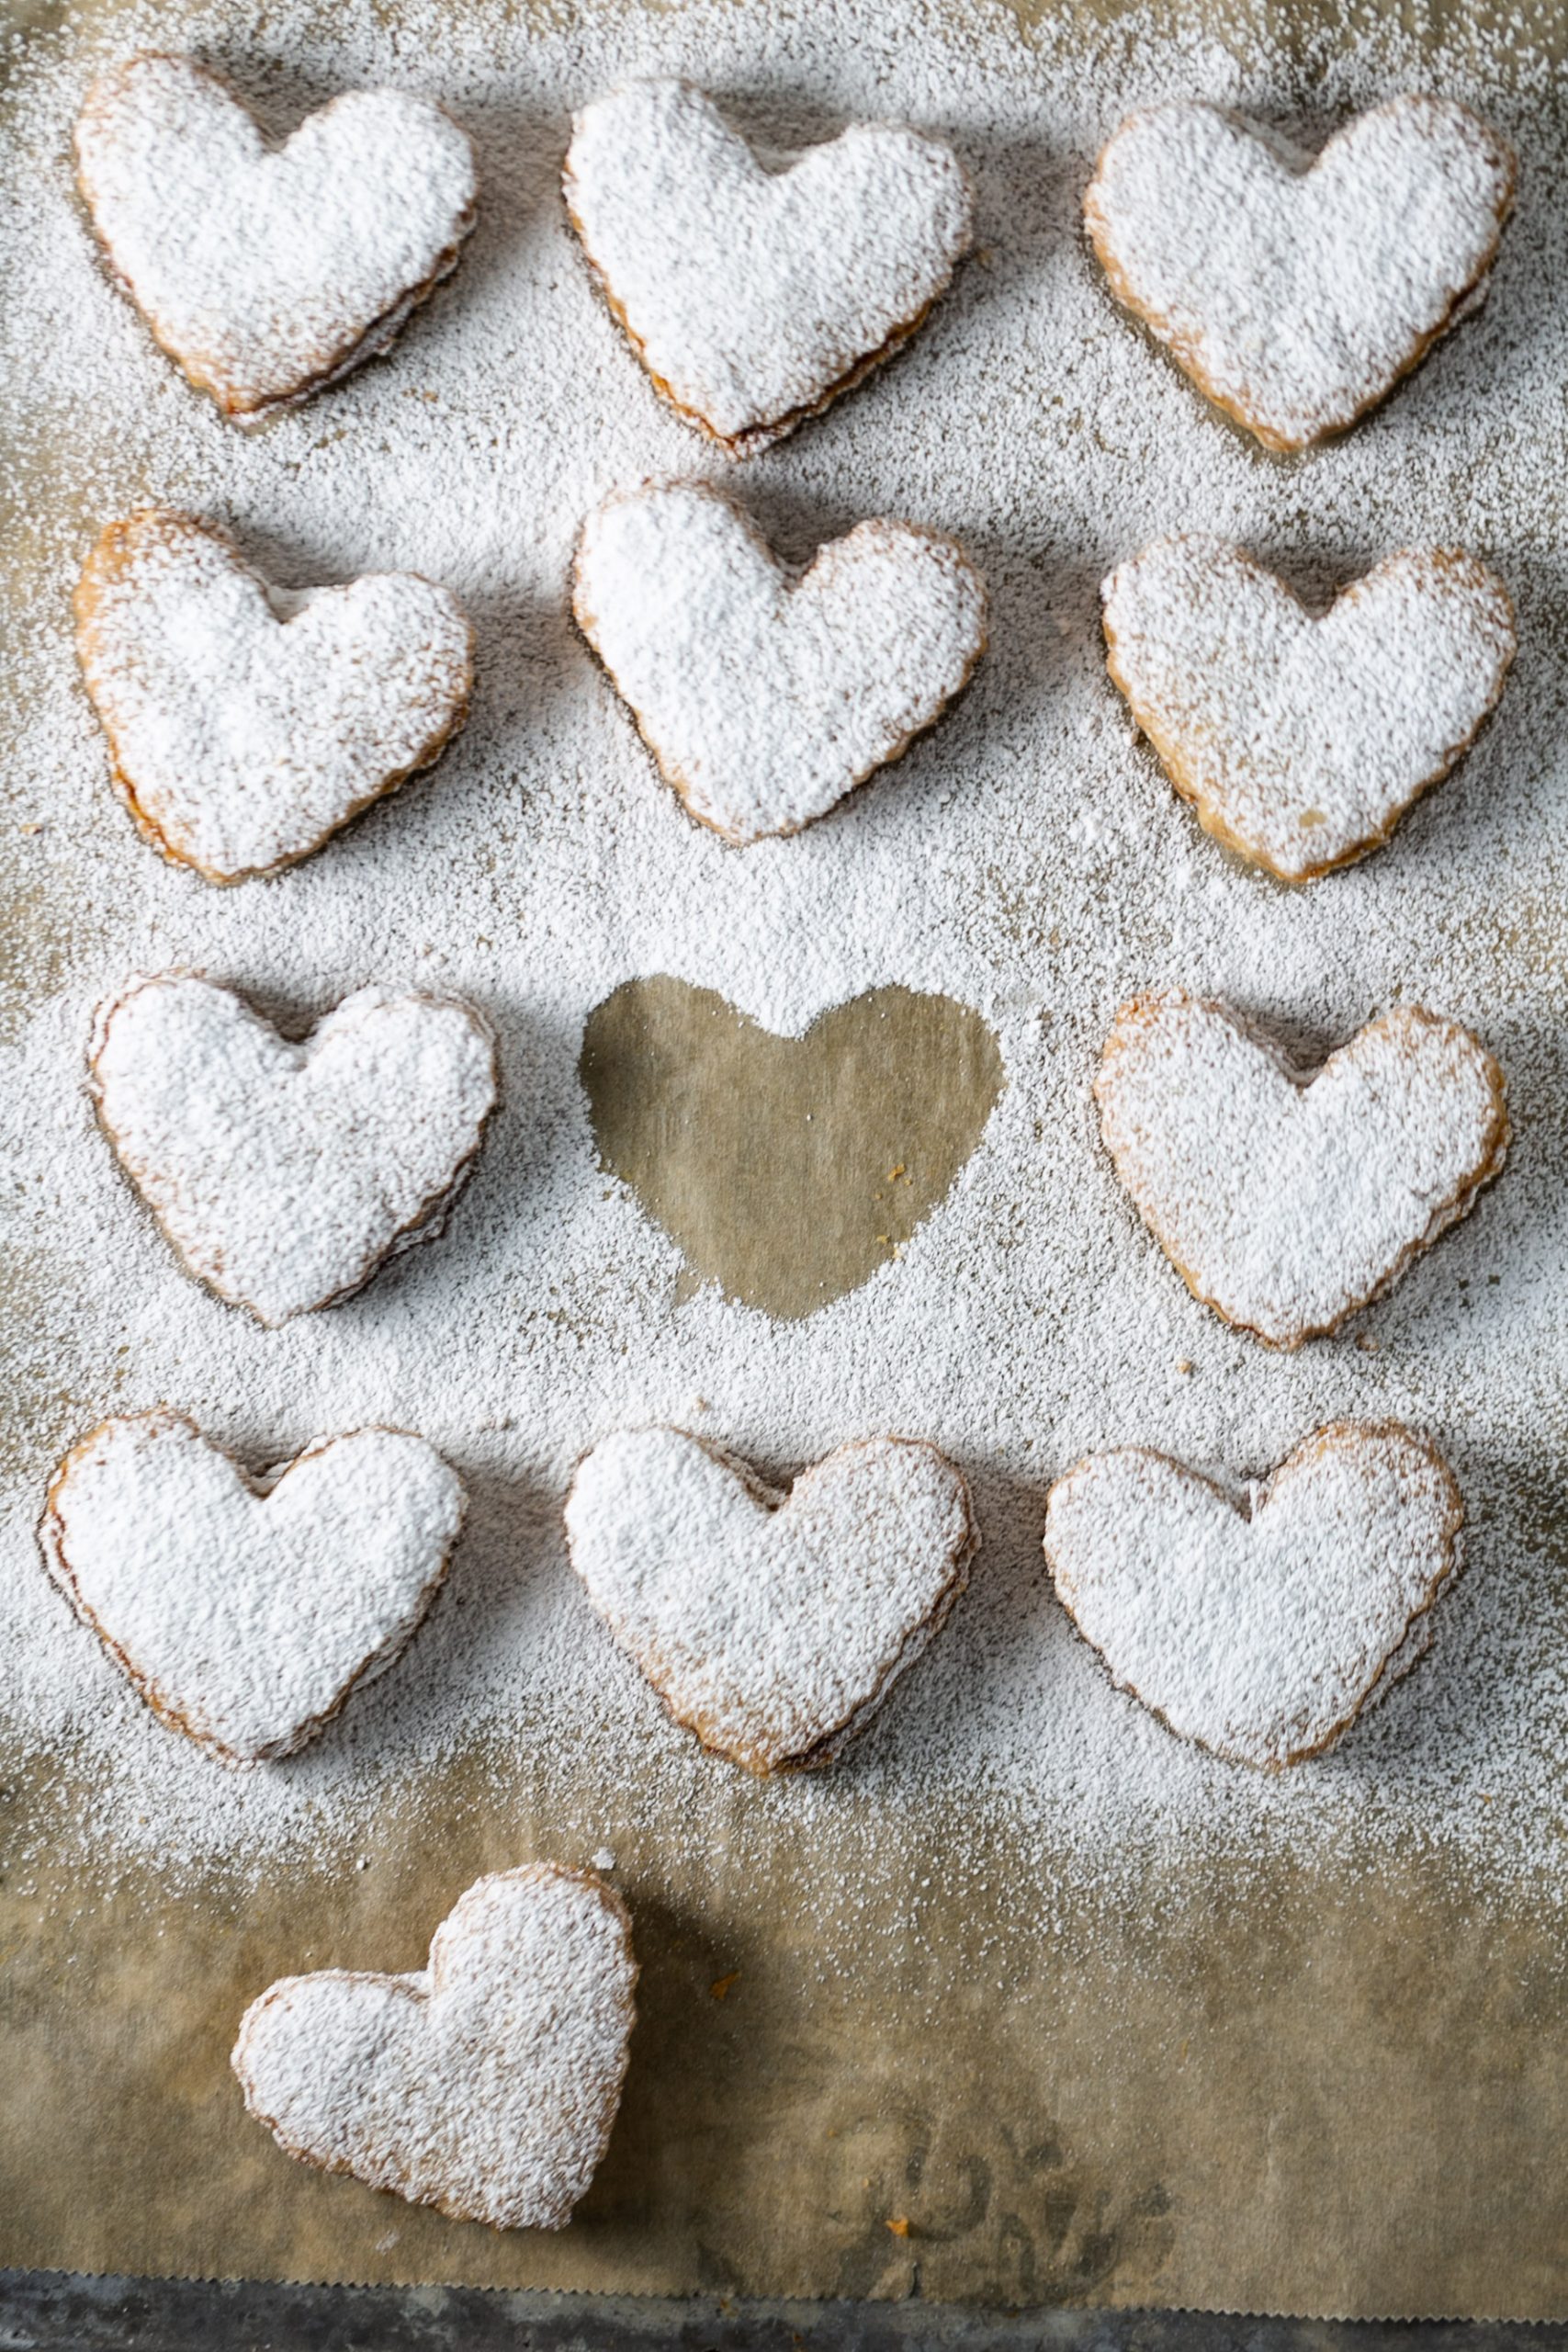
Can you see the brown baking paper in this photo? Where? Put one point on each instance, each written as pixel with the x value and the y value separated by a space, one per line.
pixel 1327 2093
pixel 859 2067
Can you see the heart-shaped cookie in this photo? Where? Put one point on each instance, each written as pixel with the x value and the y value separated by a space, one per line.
pixel 245 723
pixel 764 698
pixel 1260 1632
pixel 773 1625
pixel 485 2084
pixel 265 272
pixel 754 296
pixel 1296 292
pixel 1302 740
pixel 245 1616
pixel 1285 1201
pixel 284 1174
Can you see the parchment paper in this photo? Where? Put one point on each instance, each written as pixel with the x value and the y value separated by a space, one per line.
pixel 1330 2096
pixel 1325 2092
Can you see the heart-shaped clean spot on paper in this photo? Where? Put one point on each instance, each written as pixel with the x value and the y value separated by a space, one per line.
pixel 268 272
pixel 284 1174
pixel 1296 292
pixel 246 726
pixel 787 1169
pixel 772 1625
pixel 1286 1203
pixel 753 297
pixel 765 697
pixel 485 2084
pixel 1303 740
pixel 246 1617
pixel 1259 1633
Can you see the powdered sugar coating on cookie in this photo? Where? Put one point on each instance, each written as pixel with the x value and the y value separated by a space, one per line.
pixel 1284 1202
pixel 266 272
pixel 485 2084
pixel 1259 1631
pixel 1297 291
pixel 765 698
pixel 246 1617
pixel 247 724
pixel 284 1173
pixel 772 1624
pixel 1303 739
pixel 754 297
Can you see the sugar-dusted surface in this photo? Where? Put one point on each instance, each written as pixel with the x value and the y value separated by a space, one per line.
pixel 1297 288
pixel 753 293
pixel 1030 858
pixel 485 2084
pixel 766 699
pixel 265 271
pixel 1260 1628
pixel 773 1625
pixel 246 1617
pixel 245 727
pixel 284 1173
pixel 1288 1199
pixel 1303 737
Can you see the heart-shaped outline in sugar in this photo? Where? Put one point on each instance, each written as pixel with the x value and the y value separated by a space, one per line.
pixel 1301 740
pixel 1295 291
pixel 1261 1635
pixel 754 297
pixel 252 272
pixel 765 696
pixel 282 1174
pixel 697 1109
pixel 486 2083
pixel 226 1602
pixel 247 724
pixel 1287 1201
pixel 773 1662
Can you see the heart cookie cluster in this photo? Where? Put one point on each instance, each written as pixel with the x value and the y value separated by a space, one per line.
pixel 247 724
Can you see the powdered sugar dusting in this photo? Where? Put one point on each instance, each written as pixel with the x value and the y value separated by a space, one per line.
pixel 773 1625
pixel 263 272
pixel 1285 1203
pixel 752 294
pixel 244 734
pixel 1296 291
pixel 284 1173
pixel 1303 740
pixel 765 700
pixel 486 2083
pixel 1260 1633
pixel 1028 859
pixel 245 1618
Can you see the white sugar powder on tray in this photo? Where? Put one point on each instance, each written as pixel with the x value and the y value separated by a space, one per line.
pixel 1028 858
